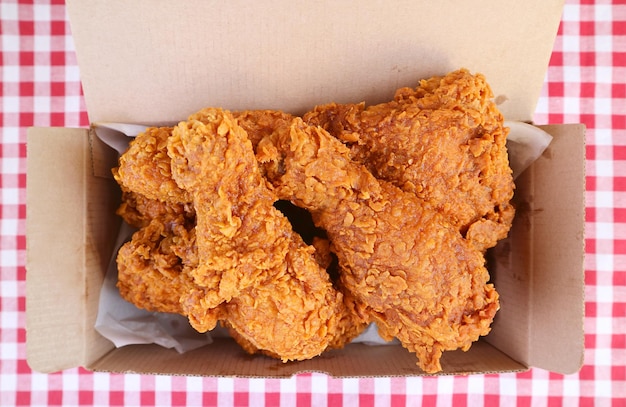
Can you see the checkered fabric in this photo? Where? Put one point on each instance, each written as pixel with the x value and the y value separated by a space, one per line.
pixel 585 82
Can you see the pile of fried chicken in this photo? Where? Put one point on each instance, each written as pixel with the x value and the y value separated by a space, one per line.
pixel 405 197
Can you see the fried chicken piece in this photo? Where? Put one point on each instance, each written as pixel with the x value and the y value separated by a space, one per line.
pixel 444 141
pixel 418 278
pixel 147 258
pixel 261 123
pixel 153 267
pixel 153 270
pixel 138 211
pixel 145 168
pixel 144 175
pixel 152 279
pixel 276 296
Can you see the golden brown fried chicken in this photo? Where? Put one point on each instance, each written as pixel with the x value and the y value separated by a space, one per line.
pixel 139 211
pixel 153 267
pixel 420 280
pixel 444 142
pixel 153 270
pixel 156 275
pixel 150 273
pixel 145 168
pixel 261 123
pixel 276 296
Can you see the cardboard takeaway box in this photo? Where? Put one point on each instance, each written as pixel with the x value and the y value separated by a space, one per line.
pixel 156 62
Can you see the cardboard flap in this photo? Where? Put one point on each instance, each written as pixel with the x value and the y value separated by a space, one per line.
pixel 226 359
pixel 54 227
pixel 169 59
pixel 539 269
pixel 557 300
pixel 70 237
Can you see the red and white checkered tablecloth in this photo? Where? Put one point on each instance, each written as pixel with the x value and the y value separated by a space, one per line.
pixel 585 82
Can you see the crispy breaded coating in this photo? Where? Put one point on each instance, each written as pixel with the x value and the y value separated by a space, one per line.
pixel 295 233
pixel 276 295
pixel 145 168
pixel 139 211
pixel 153 269
pixel 444 141
pixel 419 279
pixel 261 123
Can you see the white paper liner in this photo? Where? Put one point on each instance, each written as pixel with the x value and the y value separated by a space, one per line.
pixel 525 143
pixel 124 324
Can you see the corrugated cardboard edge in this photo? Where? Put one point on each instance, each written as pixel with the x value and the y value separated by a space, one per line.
pixel 69 242
pixel 225 358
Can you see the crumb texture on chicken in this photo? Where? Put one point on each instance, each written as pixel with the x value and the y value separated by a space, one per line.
pixel 444 141
pixel 248 268
pixel 418 278
pixel 295 233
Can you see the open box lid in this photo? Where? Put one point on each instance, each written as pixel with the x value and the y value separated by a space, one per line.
pixel 158 61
